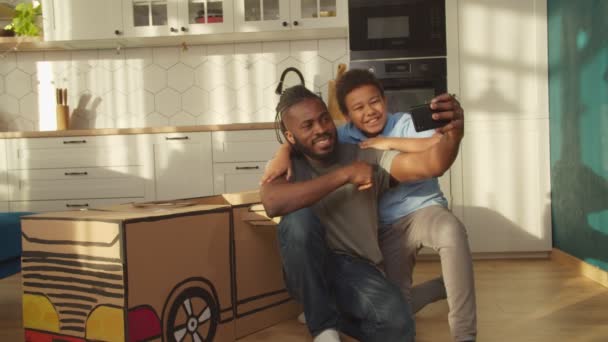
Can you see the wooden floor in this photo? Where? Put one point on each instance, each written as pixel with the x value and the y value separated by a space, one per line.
pixel 522 300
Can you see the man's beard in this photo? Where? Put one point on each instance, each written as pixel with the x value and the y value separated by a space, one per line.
pixel 309 153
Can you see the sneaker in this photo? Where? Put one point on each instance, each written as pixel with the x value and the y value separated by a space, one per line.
pixel 328 335
pixel 302 318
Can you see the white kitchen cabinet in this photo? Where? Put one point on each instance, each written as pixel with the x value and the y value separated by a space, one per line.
pixel 183 165
pixel 243 146
pixel 63 205
pixel 239 158
pixel 148 18
pixel 74 169
pixel 66 20
pixel 501 181
pixel 236 177
pixel 75 183
pixel 278 15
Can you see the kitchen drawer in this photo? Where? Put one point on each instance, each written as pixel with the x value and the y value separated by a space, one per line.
pixel 63 205
pixel 123 181
pixel 46 153
pixel 239 146
pixel 236 177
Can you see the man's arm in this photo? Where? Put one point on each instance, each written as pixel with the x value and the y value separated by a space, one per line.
pixel 280 197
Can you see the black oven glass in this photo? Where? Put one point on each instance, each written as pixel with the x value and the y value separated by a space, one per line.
pixel 396 28
pixel 400 100
pixel 391 27
pixel 408 83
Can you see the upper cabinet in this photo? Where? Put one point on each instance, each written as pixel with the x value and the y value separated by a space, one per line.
pixel 92 23
pixel 276 15
pixel 82 19
pixel 145 18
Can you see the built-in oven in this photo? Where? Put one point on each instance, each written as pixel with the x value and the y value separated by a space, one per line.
pixel 408 82
pixel 396 28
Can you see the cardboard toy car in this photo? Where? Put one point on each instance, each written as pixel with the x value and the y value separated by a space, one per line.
pixel 204 269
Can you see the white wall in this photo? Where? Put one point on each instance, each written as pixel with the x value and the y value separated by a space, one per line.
pixel 147 87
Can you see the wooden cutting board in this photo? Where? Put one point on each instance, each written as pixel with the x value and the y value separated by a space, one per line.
pixel 332 100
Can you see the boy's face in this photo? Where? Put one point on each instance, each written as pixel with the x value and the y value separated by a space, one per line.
pixel 367 109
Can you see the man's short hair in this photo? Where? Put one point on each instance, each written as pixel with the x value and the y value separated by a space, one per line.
pixel 290 97
pixel 353 79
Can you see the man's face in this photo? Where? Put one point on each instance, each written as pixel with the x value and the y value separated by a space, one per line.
pixel 311 129
pixel 367 109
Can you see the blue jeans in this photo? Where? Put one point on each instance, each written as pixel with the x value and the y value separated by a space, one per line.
pixel 338 291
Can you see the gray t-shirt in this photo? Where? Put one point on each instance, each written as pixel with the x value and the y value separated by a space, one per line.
pixel 350 216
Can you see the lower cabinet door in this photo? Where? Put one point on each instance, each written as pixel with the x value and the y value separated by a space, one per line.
pixel 183 165
pixel 236 177
pixel 63 205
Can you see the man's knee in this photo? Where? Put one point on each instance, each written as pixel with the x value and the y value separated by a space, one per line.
pixel 396 319
pixel 300 229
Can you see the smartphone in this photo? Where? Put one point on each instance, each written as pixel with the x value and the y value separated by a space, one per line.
pixel 422 115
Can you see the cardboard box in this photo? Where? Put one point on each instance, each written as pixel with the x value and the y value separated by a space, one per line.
pixel 205 269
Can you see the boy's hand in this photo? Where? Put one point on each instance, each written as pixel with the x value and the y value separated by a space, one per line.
pixel 446 107
pixel 275 168
pixel 379 143
pixel 359 174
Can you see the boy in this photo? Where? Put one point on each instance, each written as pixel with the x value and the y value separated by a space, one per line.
pixel 412 215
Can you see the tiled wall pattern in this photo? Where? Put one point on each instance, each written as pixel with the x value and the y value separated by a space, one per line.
pixel 148 87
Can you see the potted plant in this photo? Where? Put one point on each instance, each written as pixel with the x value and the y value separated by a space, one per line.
pixel 26 21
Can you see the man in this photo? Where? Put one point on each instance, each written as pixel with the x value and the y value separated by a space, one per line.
pixel 335 271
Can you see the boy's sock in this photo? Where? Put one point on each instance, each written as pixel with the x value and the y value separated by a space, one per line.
pixel 302 318
pixel 328 335
pixel 427 293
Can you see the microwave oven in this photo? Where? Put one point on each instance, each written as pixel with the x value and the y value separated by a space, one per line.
pixel 382 29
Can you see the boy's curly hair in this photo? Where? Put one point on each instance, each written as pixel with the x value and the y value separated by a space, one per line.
pixel 351 80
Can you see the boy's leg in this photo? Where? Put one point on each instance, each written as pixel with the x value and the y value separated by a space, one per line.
pixel 371 308
pixel 399 262
pixel 437 228
pixel 304 253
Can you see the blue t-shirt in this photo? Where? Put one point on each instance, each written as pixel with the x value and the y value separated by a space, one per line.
pixel 405 198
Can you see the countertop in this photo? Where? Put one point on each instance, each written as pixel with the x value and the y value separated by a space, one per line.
pixel 148 130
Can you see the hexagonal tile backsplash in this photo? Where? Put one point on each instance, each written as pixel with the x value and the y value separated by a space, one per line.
pixel 160 86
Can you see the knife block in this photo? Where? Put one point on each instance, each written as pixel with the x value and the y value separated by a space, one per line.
pixel 63 117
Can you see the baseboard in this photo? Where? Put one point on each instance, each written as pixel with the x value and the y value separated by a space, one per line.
pixel 431 255
pixel 592 272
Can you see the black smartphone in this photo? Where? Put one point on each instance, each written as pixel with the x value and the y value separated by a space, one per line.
pixel 422 115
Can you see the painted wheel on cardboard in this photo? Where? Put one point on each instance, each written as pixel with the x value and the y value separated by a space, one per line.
pixel 193 316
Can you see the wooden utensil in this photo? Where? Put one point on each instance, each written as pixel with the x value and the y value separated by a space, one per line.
pixel 63 111
pixel 332 100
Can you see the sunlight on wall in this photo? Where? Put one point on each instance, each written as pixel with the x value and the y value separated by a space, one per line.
pixel 46 97
pixel 503 77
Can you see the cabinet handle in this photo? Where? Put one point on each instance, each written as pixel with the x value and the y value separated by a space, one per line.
pixel 118 32
pixel 247 168
pixel 296 23
pixel 184 29
pixel 285 24
pixel 84 205
pixel 74 141
pixel 76 173
pixel 177 138
pixel 173 29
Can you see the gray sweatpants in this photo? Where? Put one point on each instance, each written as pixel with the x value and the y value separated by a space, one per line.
pixel 437 228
